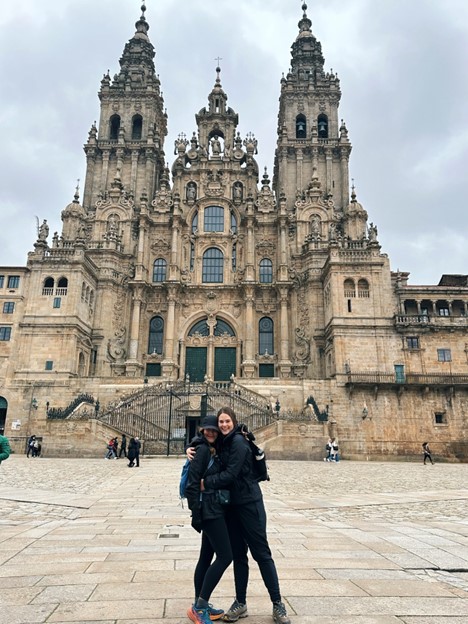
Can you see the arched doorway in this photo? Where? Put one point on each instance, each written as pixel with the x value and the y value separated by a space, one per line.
pixel 3 413
pixel 211 350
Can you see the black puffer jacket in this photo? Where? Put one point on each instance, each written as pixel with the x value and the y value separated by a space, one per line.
pixel 237 474
pixel 206 506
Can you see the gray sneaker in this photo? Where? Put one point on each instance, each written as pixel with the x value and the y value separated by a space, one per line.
pixel 236 610
pixel 279 614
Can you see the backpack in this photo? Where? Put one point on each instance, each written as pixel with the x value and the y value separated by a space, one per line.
pixel 259 465
pixel 184 478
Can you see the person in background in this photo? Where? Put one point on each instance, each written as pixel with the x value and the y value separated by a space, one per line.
pixel 427 453
pixel 137 450
pixel 116 447
pixel 110 450
pixel 4 448
pixel 123 446
pixel 31 441
pixel 132 451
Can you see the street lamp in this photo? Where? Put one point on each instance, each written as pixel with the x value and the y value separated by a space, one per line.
pixel 277 407
pixel 34 403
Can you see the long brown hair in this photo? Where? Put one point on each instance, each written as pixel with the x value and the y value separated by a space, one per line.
pixel 229 412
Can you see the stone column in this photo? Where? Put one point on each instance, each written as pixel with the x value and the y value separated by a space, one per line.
pixel 133 183
pixel 249 364
pixel 105 169
pixel 89 180
pixel 133 366
pixel 344 180
pixel 168 365
pixel 284 363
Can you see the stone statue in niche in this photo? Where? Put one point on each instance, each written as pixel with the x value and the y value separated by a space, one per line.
pixel 237 191
pixel 215 146
pixel 372 233
pixel 191 191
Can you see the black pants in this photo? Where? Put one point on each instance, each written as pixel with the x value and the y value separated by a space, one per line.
pixel 427 456
pixel 123 450
pixel 247 528
pixel 215 540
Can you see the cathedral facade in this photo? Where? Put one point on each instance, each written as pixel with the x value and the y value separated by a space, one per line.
pixel 208 272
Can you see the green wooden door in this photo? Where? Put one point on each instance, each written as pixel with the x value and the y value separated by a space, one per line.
pixel 195 363
pixel 225 363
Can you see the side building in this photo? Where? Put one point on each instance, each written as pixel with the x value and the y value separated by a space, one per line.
pixel 211 274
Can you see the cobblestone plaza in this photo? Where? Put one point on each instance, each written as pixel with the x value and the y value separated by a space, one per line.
pixel 356 542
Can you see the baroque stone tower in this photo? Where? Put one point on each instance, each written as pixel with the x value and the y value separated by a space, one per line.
pixel 207 271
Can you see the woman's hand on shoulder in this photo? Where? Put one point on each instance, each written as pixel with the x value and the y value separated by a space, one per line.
pixel 190 452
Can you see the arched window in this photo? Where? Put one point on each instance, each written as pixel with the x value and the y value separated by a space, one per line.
pixel 222 328
pixel 200 328
pixel 214 219
pixel 322 126
pixel 233 223
pixel 156 335
pixel 137 127
pixel 48 286
pixel 265 336
pixel 363 289
pixel 114 127
pixel 81 364
pixel 62 283
pixel 159 270
pixel 192 256
pixel 301 127
pixel 266 271
pixel 213 261
pixel 349 288
pixel 195 223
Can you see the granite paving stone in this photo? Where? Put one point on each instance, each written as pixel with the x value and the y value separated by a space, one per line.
pixel 90 541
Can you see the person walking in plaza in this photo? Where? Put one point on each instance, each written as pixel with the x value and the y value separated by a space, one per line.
pixel 123 446
pixel 133 454
pixel 208 517
pixel 137 451
pixel 246 518
pixel 110 450
pixel 427 453
pixel 116 447
pixel 4 448
pixel 32 439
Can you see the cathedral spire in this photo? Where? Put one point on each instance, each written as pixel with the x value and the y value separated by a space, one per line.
pixel 142 25
pixel 305 23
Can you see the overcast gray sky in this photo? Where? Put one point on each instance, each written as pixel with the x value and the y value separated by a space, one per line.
pixel 403 71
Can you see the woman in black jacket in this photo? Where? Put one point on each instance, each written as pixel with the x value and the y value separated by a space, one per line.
pixel 208 517
pixel 246 518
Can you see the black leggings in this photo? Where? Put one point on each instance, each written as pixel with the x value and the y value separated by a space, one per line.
pixel 215 540
pixel 247 528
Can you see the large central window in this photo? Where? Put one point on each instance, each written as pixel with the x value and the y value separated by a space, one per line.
pixel 213 261
pixel 214 219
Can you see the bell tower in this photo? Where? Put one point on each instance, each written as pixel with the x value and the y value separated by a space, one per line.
pixel 127 145
pixel 312 143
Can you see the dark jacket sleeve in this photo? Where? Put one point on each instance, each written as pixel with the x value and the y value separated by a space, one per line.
pixel 197 470
pixel 237 457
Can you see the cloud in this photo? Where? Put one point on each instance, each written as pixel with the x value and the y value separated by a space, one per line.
pixel 402 72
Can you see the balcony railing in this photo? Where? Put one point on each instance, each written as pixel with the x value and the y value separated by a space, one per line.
pixel 407 379
pixel 414 320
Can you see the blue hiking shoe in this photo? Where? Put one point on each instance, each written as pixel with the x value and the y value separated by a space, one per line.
pixel 199 616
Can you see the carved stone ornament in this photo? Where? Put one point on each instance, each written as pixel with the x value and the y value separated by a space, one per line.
pixel 160 246
pixel 163 200
pixel 302 351
pixel 265 248
pixel 265 200
pixel 116 350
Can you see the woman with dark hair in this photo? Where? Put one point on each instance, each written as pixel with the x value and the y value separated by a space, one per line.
pixel 208 517
pixel 246 519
